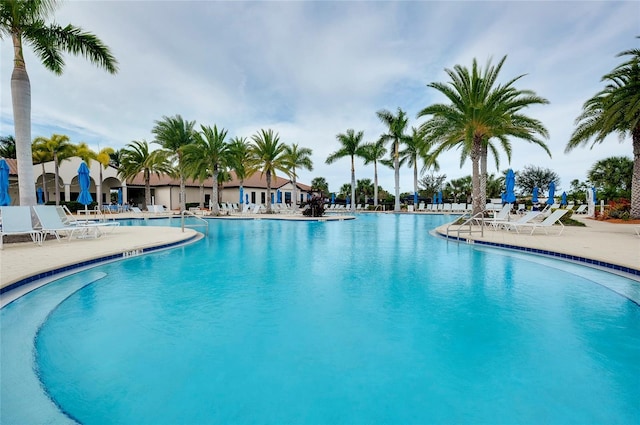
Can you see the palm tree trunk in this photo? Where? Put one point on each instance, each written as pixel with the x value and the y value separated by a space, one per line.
pixel 21 102
pixel 375 183
pixel 99 194
pixel 268 192
pixel 215 206
pixel 415 178
pixel 396 166
pixel 483 174
pixel 295 187
pixel 635 179
pixel 55 173
pixel 147 189
pixel 476 153
pixel 353 184
pixel 45 194
pixel 201 205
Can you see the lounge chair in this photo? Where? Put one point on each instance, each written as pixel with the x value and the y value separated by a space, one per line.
pixel 526 218
pixel 17 221
pixel 582 209
pixel 500 217
pixel 552 219
pixel 52 223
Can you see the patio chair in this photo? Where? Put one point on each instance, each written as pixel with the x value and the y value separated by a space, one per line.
pixel 552 219
pixel 500 217
pixel 51 223
pixel 16 220
pixel 526 218
pixel 582 209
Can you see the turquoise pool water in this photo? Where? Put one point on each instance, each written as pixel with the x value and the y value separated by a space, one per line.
pixel 365 321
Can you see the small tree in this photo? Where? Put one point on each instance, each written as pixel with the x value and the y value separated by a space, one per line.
pixel 612 177
pixel 533 176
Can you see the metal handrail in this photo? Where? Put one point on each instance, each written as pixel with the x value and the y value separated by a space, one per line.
pixel 477 218
pixel 182 225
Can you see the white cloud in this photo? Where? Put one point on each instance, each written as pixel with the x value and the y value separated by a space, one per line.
pixel 311 70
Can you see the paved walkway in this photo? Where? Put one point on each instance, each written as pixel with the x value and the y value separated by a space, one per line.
pixel 601 241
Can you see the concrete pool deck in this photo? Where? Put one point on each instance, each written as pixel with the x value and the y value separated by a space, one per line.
pixel 615 244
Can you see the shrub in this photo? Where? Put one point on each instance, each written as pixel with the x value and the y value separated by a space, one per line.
pixel 316 208
pixel 619 208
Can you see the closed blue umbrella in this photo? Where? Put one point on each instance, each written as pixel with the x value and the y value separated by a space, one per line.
pixel 510 194
pixel 503 197
pixel 5 199
pixel 85 182
pixel 40 194
pixel 439 196
pixel 348 200
pixel 119 196
pixel 246 198
pixel 595 198
pixel 415 198
pixel 552 192
pixel 435 199
pixel 563 200
pixel 279 196
pixel 534 197
pixel 333 198
pixel 242 195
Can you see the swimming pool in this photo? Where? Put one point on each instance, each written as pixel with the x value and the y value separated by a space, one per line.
pixel 364 321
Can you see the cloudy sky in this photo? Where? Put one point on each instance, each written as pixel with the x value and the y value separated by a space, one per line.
pixel 310 70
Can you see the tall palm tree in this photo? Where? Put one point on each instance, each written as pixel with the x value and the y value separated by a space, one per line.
pixel 397 126
pixel 59 148
pixel 136 158
pixel 104 160
pixel 24 22
pixel 240 159
pixel 298 158
pixel 269 155
pixel 416 148
pixel 173 134
pixel 373 153
pixel 208 154
pixel 615 109
pixel 479 111
pixel 351 147
pixel 42 157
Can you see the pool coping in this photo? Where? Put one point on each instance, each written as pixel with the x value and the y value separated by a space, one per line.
pixel 591 262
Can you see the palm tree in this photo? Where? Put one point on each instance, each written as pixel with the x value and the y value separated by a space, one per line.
pixel 320 185
pixel 240 159
pixel 416 148
pixel 373 152
pixel 615 109
pixel 365 189
pixel 136 159
pixel 24 21
pixel 209 154
pixel 104 159
pixel 480 111
pixel 59 148
pixel 397 125
pixel 42 157
pixel 173 134
pixel 7 147
pixel 350 147
pixel 269 155
pixel 460 188
pixel 298 158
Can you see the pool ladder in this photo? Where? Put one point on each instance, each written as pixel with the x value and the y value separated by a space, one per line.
pixel 204 222
pixel 467 226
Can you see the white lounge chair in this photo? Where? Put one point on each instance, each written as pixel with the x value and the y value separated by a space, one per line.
pixel 499 217
pixel 16 220
pixel 582 209
pixel 552 219
pixel 52 223
pixel 526 218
